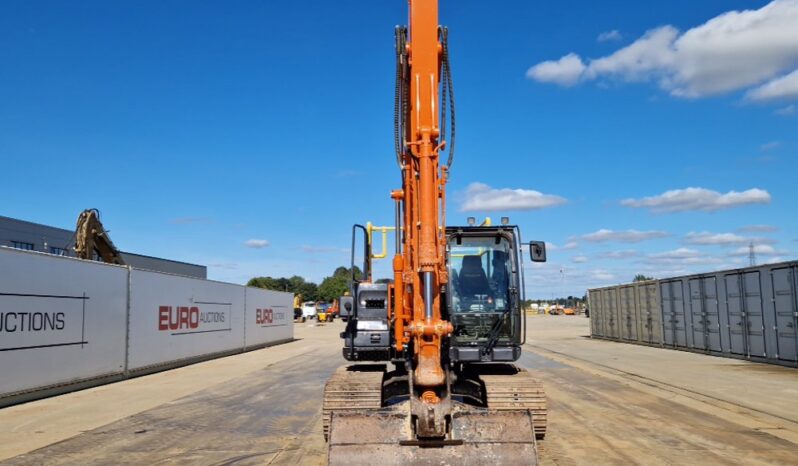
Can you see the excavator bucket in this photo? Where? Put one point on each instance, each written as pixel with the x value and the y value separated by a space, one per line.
pixel 479 437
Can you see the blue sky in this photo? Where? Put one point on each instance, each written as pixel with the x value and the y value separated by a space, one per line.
pixel 196 127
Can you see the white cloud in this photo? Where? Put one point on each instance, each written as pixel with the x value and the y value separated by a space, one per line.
pixel 770 146
pixel 257 243
pixel 681 257
pixel 579 259
pixel 609 36
pixel 601 275
pixel 785 87
pixel 759 249
pixel 481 197
pixel 680 253
pixel 637 61
pixel 620 254
pixel 627 236
pixel 706 238
pixel 789 110
pixel 698 199
pixel 774 260
pixel 758 228
pixel 566 71
pixel 733 51
pixel 570 245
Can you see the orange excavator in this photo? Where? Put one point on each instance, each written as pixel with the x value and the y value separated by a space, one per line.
pixel 433 379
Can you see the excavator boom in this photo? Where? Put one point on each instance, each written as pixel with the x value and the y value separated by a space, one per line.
pixel 450 322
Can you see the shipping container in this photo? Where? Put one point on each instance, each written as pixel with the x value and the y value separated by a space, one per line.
pixel 749 313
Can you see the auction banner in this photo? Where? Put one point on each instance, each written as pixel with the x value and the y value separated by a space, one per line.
pixel 61 320
pixel 174 318
pixel 270 317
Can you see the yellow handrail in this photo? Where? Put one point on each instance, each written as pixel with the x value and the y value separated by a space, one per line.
pixel 384 230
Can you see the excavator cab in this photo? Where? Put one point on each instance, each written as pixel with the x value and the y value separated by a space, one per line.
pixel 485 294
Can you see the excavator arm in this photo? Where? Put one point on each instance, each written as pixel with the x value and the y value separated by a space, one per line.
pixel 91 237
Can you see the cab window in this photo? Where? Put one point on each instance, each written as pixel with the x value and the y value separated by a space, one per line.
pixel 479 273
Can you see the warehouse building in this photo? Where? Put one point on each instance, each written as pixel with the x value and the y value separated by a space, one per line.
pixel 31 236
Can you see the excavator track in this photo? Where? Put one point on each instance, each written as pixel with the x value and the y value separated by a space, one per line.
pixel 516 392
pixel 352 389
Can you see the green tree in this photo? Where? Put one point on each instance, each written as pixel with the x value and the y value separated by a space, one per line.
pixel 641 278
pixel 337 284
pixel 295 284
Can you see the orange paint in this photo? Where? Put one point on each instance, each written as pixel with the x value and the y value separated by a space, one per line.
pixel 422 197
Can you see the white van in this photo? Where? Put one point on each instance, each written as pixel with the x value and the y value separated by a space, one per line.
pixel 309 310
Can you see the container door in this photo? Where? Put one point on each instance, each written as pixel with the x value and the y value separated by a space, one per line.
pixel 679 324
pixel 673 305
pixel 712 310
pixel 746 325
pixel 699 327
pixel 734 303
pixel 641 313
pixel 753 312
pixel 596 323
pixel 667 310
pixel 601 323
pixel 628 322
pixel 704 313
pixel 786 310
pixel 611 312
pixel 653 316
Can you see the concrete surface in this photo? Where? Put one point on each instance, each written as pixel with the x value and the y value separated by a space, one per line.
pixel 609 403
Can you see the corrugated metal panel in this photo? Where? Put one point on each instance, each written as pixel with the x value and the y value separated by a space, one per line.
pixel 785 307
pixel 627 301
pixel 746 323
pixel 746 313
pixel 704 313
pixel 649 313
pixel 596 315
pixel 675 332
pixel 610 310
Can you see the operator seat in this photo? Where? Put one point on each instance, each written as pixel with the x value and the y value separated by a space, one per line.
pixel 498 279
pixel 473 280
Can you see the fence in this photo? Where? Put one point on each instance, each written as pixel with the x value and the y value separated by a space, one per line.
pixel 67 323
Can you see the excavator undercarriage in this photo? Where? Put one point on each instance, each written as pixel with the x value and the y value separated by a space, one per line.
pixel 496 414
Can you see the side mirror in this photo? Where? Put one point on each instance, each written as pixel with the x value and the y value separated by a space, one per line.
pixel 537 251
pixel 346 306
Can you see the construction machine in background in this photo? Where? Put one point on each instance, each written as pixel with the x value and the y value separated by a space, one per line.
pixel 433 380
pixel 298 308
pixel 92 238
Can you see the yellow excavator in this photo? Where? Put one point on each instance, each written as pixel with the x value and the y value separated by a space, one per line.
pixel 92 238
